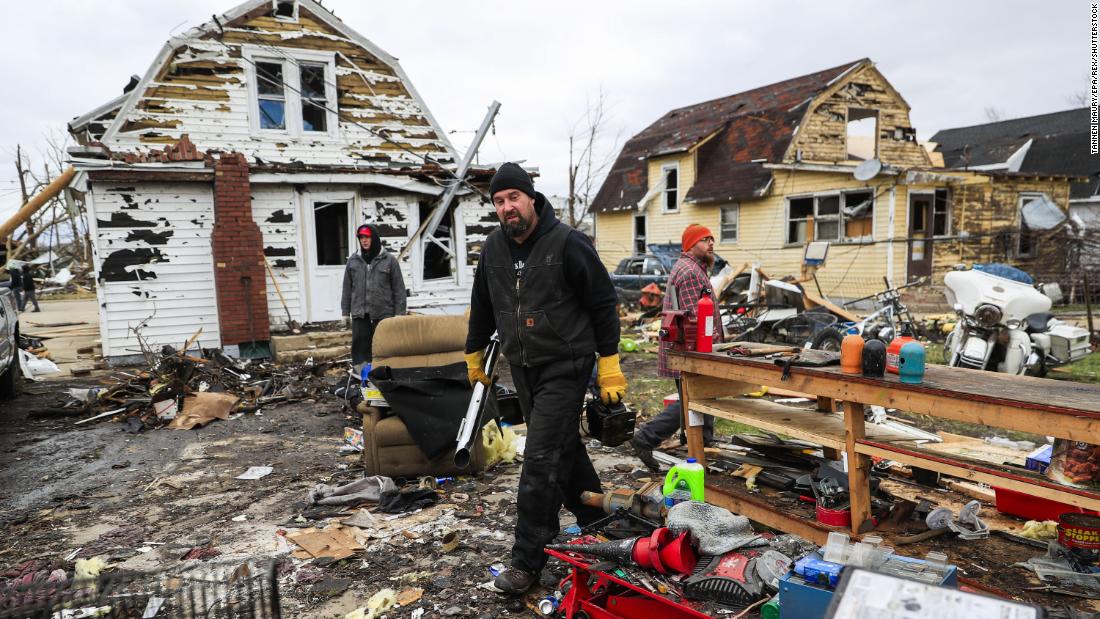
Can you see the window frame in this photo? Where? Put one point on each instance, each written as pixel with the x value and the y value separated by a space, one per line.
pixel 736 209
pixel 292 61
pixel 665 168
pixel 275 11
pixel 839 217
pixel 1021 199
pixel 947 228
pixel 261 97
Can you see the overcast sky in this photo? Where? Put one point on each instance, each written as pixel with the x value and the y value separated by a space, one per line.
pixel 543 61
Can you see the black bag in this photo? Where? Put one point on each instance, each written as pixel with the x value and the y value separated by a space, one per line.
pixel 611 425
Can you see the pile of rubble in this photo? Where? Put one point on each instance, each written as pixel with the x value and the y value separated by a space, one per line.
pixel 184 391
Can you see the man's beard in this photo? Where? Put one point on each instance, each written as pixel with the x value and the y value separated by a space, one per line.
pixel 515 228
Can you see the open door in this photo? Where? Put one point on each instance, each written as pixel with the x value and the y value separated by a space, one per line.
pixel 920 236
pixel 328 245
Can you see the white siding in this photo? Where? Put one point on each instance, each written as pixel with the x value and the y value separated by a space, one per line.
pixel 272 207
pixel 154 263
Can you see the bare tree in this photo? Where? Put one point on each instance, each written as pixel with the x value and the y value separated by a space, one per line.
pixel 1079 98
pixel 61 210
pixel 592 150
pixel 993 114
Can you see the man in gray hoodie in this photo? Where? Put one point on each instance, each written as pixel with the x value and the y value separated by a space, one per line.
pixel 373 291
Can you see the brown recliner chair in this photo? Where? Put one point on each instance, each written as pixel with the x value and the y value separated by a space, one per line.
pixel 407 342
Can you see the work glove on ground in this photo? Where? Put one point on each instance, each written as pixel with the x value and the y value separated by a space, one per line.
pixel 610 379
pixel 474 363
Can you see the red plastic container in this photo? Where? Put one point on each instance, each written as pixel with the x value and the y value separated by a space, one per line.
pixel 1033 507
pixel 893 352
pixel 834 517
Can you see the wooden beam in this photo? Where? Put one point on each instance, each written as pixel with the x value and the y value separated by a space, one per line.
pixel 198 176
pixel 965 470
pixel 694 433
pixel 1056 419
pixel 31 207
pixel 859 468
pixel 765 514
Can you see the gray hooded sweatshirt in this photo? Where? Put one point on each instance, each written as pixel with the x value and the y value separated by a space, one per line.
pixel 373 288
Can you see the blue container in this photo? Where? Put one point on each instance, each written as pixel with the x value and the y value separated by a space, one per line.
pixel 802 599
pixel 911 363
pixel 364 373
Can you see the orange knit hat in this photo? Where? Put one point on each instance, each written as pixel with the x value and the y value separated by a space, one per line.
pixel 693 234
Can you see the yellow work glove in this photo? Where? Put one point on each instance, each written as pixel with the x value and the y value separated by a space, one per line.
pixel 610 379
pixel 474 362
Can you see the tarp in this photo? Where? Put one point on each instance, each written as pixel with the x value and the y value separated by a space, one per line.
pixel 431 401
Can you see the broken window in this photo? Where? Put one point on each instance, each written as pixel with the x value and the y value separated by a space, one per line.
pixel 672 201
pixel 862 134
pixel 271 95
pixel 1037 213
pixel 800 211
pixel 858 215
pixel 436 261
pixel 730 219
pixel 314 101
pixel 846 216
pixel 639 234
pixel 330 223
pixel 827 219
pixel 941 215
pixel 285 10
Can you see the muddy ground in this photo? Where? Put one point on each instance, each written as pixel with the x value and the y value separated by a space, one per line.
pixel 145 500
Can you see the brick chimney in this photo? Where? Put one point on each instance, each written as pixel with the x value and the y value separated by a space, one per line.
pixel 239 273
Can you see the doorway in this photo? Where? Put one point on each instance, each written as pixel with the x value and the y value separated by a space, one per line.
pixel 329 243
pixel 920 236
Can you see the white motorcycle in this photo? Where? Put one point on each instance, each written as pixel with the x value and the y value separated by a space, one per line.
pixel 1005 325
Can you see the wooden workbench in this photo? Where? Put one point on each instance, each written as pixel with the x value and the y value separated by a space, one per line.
pixel 712 382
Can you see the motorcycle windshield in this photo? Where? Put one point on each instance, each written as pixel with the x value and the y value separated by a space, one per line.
pixel 1005 271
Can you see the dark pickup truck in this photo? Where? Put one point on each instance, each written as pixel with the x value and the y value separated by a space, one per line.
pixel 637 272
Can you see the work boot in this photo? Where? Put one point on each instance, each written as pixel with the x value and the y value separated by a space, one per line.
pixel 514 581
pixel 645 454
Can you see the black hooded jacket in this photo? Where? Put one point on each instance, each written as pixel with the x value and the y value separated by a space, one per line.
pixel 583 274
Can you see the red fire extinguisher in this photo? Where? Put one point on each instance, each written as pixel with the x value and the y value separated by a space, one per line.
pixel 704 340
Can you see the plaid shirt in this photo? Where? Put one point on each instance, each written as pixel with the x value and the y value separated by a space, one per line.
pixel 689 279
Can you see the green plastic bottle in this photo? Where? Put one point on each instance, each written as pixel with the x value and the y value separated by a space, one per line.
pixel 684 482
pixel 770 609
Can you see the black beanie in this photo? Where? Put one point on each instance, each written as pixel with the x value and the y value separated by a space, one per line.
pixel 511 176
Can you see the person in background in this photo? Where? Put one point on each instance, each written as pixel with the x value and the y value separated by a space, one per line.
pixel 28 290
pixel 373 291
pixel 15 282
pixel 687 280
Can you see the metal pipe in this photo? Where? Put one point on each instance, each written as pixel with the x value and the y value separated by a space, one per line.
pixel 472 421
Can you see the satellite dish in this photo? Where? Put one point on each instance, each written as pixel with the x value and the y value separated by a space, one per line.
pixel 867 170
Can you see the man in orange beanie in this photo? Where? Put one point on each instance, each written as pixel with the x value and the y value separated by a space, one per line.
pixel 687 281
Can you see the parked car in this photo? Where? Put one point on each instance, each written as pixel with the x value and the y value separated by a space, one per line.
pixel 9 350
pixel 637 272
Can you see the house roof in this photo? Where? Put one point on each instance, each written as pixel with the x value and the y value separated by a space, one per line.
pixel 1059 144
pixel 118 109
pixel 748 129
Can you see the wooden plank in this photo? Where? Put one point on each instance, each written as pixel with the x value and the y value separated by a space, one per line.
pixel 859 468
pixel 993 387
pixel 694 433
pixel 826 429
pixel 1056 418
pixel 759 511
pixel 966 469
pixel 828 405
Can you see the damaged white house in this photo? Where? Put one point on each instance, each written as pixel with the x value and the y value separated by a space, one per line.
pixel 268 134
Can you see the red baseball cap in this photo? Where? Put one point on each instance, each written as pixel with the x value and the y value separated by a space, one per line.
pixel 363 230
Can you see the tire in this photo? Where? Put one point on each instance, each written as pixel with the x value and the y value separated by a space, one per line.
pixel 828 338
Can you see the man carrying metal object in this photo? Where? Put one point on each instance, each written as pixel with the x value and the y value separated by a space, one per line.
pixel 542 287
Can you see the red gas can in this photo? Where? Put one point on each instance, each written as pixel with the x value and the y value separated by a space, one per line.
pixel 893 352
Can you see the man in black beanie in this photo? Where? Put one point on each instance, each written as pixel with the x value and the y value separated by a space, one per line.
pixel 542 287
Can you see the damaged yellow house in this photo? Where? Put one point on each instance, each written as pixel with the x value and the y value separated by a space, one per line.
pixel 773 168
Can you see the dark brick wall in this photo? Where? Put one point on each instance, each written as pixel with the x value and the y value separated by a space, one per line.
pixel 239 273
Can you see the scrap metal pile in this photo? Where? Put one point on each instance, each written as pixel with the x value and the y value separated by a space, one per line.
pixel 184 391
